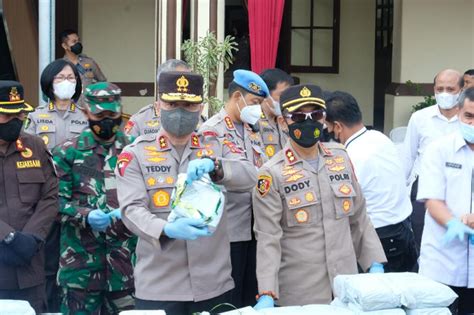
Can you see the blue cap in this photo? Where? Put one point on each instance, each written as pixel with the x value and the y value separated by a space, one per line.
pixel 251 82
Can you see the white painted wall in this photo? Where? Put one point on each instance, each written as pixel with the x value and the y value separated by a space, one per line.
pixel 356 56
pixel 120 36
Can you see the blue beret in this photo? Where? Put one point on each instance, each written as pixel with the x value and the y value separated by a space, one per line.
pixel 251 82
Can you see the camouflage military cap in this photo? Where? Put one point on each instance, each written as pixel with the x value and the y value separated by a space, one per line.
pixel 103 96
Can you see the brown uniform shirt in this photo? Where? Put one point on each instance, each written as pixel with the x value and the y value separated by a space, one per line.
pixel 273 138
pixel 88 70
pixel 238 203
pixel 311 225
pixel 28 203
pixel 169 269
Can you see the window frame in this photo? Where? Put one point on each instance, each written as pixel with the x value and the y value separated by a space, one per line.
pixel 334 68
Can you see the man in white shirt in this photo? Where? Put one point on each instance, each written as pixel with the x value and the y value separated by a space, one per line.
pixel 380 175
pixel 424 126
pixel 446 184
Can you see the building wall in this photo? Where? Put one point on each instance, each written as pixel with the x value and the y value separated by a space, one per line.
pixel 430 35
pixel 356 56
pixel 120 36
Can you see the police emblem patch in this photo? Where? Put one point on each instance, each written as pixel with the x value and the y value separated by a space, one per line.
pixel 122 162
pixel 301 216
pixel 161 198
pixel 263 184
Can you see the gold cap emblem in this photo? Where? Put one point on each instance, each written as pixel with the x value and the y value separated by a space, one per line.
pixel 14 96
pixel 254 87
pixel 305 92
pixel 182 84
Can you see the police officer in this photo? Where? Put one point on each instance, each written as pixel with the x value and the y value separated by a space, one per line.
pixel 447 186
pixel 61 119
pixel 380 174
pixel 86 66
pixel 147 119
pixel 174 271
pixel 28 202
pixel 310 218
pixel 95 267
pixel 273 138
pixel 238 122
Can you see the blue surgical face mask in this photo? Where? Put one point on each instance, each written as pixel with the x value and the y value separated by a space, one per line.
pixel 467 132
pixel 276 107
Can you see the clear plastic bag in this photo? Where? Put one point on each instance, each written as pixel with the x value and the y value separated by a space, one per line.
pixel 202 199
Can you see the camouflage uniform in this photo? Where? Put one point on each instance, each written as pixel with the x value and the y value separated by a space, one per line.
pixel 273 138
pixel 54 128
pixel 95 268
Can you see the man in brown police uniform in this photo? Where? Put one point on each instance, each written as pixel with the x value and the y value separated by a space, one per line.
pixel 310 217
pixel 238 122
pixel 28 201
pixel 174 271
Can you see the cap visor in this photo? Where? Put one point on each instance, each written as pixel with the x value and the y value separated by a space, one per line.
pixel 299 105
pixel 181 97
pixel 16 108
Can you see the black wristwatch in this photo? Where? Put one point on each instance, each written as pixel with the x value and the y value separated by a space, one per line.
pixel 9 238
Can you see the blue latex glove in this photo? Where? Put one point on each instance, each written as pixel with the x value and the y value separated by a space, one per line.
pixel 186 229
pixel 115 214
pixel 98 220
pixel 456 229
pixel 471 239
pixel 197 168
pixel 376 268
pixel 265 301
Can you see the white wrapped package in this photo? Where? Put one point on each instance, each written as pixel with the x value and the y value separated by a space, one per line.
pixel 429 311
pixel 367 291
pixel 421 292
pixel 16 307
pixel 313 309
pixel 242 311
pixel 357 311
pixel 371 292
pixel 202 199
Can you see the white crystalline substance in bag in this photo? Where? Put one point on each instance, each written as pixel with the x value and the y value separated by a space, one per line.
pixel 201 199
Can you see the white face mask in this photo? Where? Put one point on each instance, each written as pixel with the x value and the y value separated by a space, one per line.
pixel 446 100
pixel 250 114
pixel 276 107
pixel 64 90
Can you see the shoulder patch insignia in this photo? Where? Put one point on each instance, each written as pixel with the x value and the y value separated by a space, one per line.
pixel 290 156
pixel 195 141
pixel 122 162
pixel 128 126
pixel 163 142
pixel 263 184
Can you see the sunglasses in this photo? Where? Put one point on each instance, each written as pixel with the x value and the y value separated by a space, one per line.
pixel 315 115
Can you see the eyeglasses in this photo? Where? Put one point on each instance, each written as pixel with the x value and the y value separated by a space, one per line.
pixel 61 78
pixel 315 115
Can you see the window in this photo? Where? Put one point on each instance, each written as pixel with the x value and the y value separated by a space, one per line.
pixel 315 36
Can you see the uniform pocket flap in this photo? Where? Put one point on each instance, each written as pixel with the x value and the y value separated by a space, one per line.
pixel 77 128
pixel 31 174
pixel 343 190
pixel 42 128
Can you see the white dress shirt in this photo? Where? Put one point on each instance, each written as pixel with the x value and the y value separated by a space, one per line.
pixel 446 174
pixel 424 126
pixel 380 174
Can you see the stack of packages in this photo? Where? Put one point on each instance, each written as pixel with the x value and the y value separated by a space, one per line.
pixel 392 294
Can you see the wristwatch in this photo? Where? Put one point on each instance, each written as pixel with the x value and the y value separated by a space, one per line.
pixel 9 238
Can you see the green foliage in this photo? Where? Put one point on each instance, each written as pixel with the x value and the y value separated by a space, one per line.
pixel 428 100
pixel 205 56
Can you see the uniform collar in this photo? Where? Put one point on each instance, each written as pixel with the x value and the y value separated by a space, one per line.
pixel 53 108
pixel 164 143
pixel 355 135
pixel 437 113
pixel 292 157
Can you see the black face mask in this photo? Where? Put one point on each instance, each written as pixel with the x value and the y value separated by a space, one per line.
pixel 10 131
pixel 105 128
pixel 306 133
pixel 76 48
